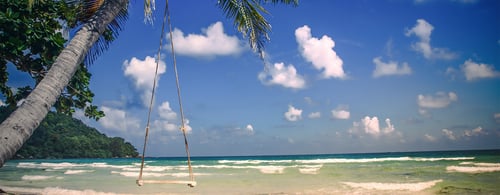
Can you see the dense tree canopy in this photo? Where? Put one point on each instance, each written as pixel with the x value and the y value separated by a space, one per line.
pixel 61 136
pixel 32 37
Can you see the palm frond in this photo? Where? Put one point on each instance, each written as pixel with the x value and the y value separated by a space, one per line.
pixel 248 19
pixel 149 7
pixel 86 9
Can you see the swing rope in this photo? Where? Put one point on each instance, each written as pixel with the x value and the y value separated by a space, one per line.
pixel 183 121
pixel 140 181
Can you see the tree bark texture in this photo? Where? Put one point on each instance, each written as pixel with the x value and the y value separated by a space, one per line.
pixel 19 126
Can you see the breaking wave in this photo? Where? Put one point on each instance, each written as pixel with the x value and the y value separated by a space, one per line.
pixel 414 187
pixel 471 167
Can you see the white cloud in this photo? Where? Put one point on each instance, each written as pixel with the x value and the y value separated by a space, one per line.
pixel 440 100
pixel 389 128
pixel 118 120
pixel 474 71
pixel 449 134
pixel 423 31
pixel 293 114
pixel 142 72
pixel 320 53
pixel 341 113
pixel 162 124
pixel 166 112
pixel 496 116
pixel 249 129
pixel 168 120
pixel 279 74
pixel 430 138
pixel 2 103
pixel 389 68
pixel 213 42
pixel 314 115
pixel 474 132
pixel 371 126
pixel 187 127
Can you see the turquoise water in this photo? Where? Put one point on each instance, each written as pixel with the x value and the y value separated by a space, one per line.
pixel 456 172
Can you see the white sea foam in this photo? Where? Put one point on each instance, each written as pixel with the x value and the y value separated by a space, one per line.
pixel 54 191
pixel 35 177
pixel 67 165
pixel 215 166
pixel 149 168
pixel 136 174
pixel 414 187
pixel 474 167
pixel 44 165
pixel 310 169
pixel 72 172
pixel 481 164
pixel 63 165
pixel 239 162
pixel 28 165
pixel 440 159
pixel 368 160
pixel 270 169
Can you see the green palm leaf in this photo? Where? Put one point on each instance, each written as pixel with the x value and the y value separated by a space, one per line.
pixel 248 19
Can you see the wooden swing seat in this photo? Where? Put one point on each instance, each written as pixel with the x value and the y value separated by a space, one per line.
pixel 141 182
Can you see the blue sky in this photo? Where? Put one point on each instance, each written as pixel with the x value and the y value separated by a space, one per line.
pixel 338 77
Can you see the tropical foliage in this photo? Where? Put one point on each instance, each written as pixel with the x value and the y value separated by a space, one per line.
pixel 31 37
pixel 61 136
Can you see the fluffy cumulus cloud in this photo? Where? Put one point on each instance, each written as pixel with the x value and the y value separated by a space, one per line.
pixel 142 73
pixel 168 120
pixel 166 112
pixel 474 132
pixel 389 68
pixel 213 42
pixel 279 74
pixel 466 134
pixel 429 138
pixel 320 53
pixel 249 128
pixel 423 31
pixel 371 126
pixel 118 120
pixel 449 134
pixel 293 114
pixel 440 100
pixel 475 71
pixel 341 113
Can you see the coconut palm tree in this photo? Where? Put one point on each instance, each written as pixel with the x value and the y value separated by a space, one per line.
pixel 19 126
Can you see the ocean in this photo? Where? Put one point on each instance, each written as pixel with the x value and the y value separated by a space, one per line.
pixel 446 172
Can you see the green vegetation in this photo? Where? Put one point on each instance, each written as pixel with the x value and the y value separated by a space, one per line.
pixel 61 136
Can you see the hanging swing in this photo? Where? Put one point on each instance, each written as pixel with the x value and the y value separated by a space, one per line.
pixel 140 181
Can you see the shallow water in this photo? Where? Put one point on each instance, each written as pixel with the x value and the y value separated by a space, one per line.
pixel 460 172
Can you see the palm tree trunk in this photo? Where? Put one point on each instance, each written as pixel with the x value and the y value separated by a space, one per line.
pixel 19 126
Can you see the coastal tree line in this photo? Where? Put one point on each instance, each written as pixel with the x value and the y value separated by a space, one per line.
pixel 61 136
